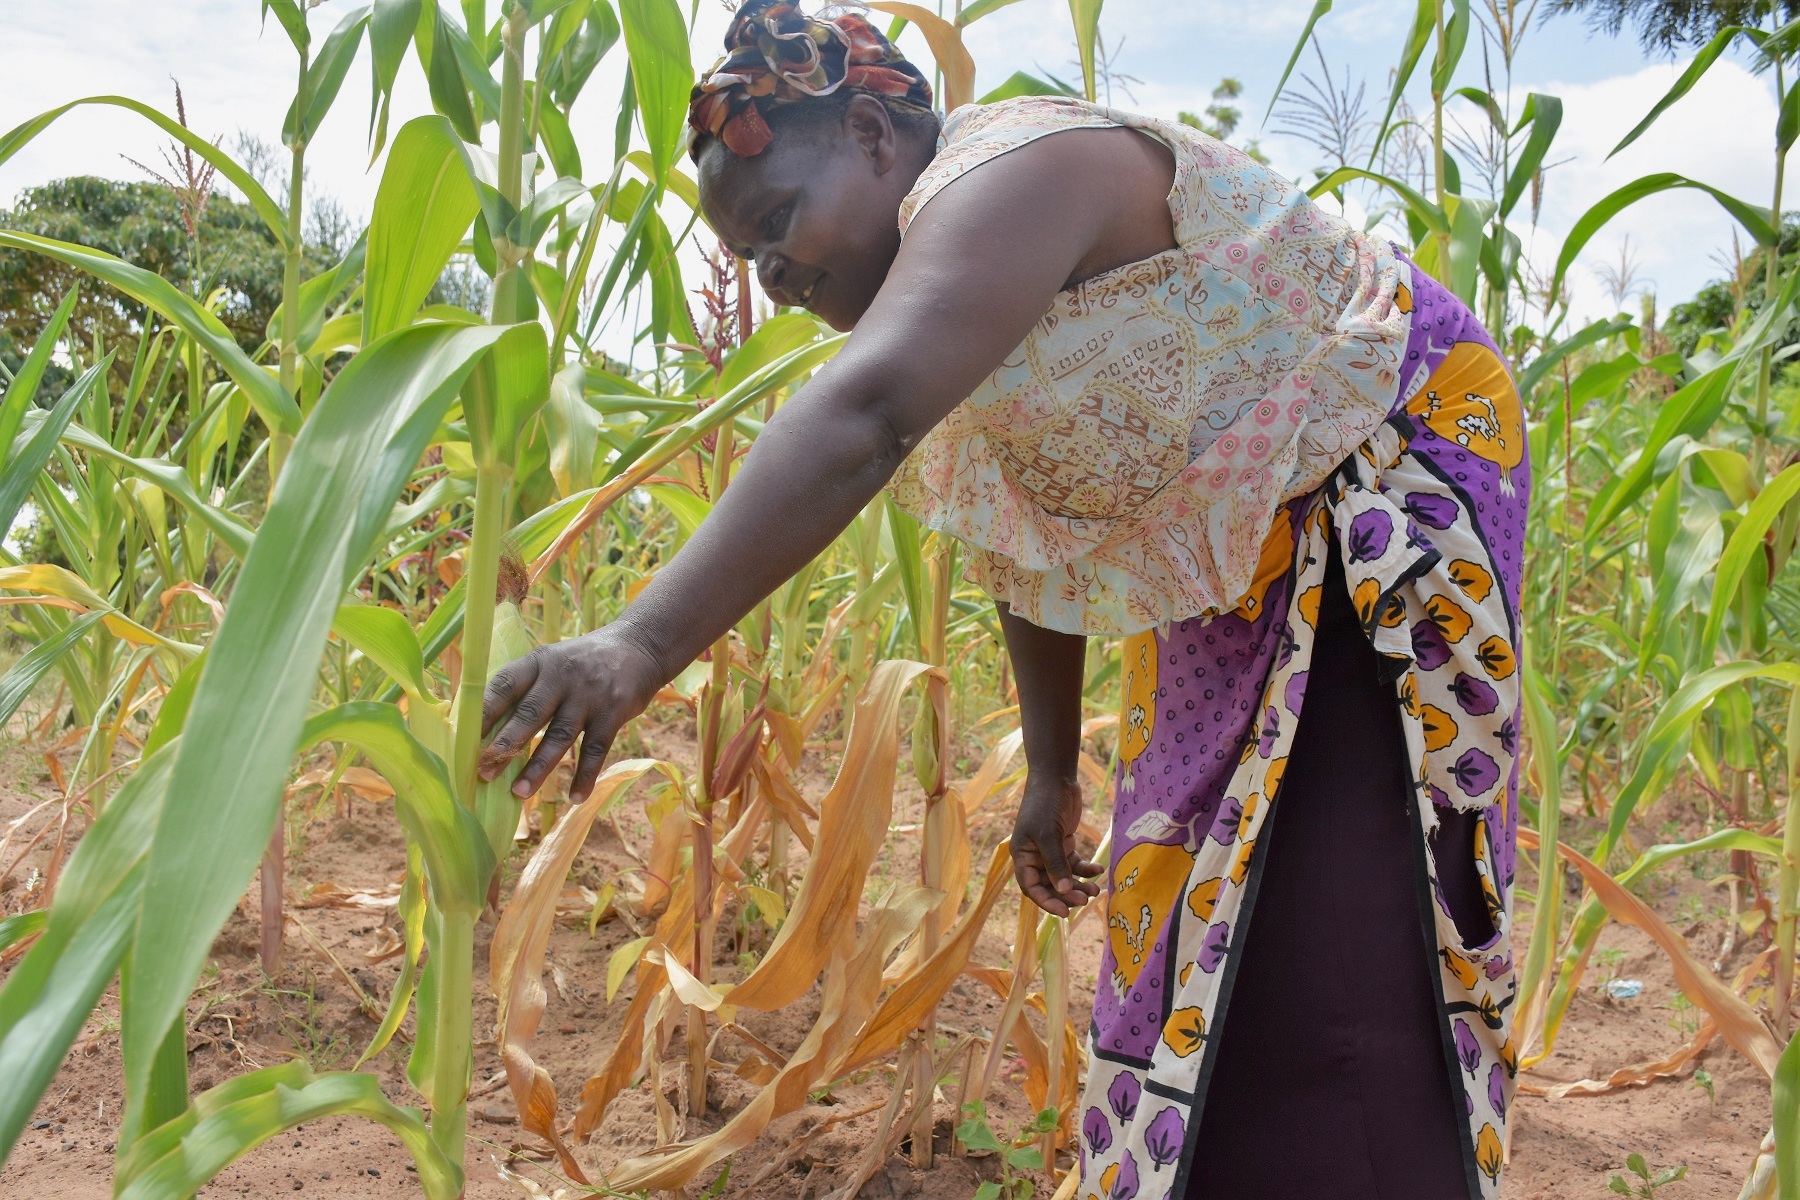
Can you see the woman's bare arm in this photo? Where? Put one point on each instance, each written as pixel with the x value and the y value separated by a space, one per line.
pixel 980 266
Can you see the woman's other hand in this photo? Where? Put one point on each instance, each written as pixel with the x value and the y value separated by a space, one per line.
pixel 587 687
pixel 1046 861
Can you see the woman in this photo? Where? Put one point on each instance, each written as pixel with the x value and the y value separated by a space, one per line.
pixel 1158 393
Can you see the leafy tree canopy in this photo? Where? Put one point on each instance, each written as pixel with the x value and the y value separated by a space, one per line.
pixel 1663 26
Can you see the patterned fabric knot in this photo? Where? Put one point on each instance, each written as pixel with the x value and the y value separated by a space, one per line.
pixel 775 54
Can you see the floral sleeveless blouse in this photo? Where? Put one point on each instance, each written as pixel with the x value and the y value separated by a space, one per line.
pixel 1122 468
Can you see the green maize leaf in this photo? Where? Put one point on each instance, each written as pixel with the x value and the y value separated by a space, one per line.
pixel 1685 542
pixel 23 389
pixel 50 993
pixel 457 862
pixel 1755 220
pixel 423 207
pixel 1544 363
pixel 1468 222
pixel 657 42
pixel 318 293
pixel 981 8
pixel 1486 103
pixel 472 67
pixel 1456 37
pixel 1086 15
pixel 356 452
pixel 21 472
pixel 570 17
pixel 293 19
pixel 228 1121
pixel 496 807
pixel 903 528
pixel 559 141
pixel 499 400
pixel 228 167
pixel 1746 540
pixel 412 922
pixel 442 76
pixel 277 408
pixel 16 929
pixel 527 227
pixel 383 637
pixel 324 76
pixel 1433 217
pixel 1690 411
pixel 574 429
pixel 1417 38
pixel 172 716
pixel 1544 114
pixel 1786 1122
pixel 1021 84
pixel 172 481
pixel 1319 9
pixel 541 10
pixel 391 26
pixel 18 682
pixel 1703 61
pixel 1787 126
pixel 569 73
pixel 1547 763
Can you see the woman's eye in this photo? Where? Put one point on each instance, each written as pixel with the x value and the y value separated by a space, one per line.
pixel 774 222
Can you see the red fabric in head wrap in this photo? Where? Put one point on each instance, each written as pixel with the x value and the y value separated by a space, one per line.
pixel 775 54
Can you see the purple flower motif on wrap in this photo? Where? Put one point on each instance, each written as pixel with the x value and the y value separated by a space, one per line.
pixel 1497 967
pixel 1475 772
pixel 1416 539
pixel 1295 693
pixel 1497 1089
pixel 1508 733
pixel 1370 532
pixel 1164 1137
pixel 1125 1187
pixel 1122 1096
pixel 1213 947
pixel 1476 697
pixel 1468 1050
pixel 1439 798
pixel 1439 512
pixel 1430 650
pixel 1097 1130
pixel 1225 825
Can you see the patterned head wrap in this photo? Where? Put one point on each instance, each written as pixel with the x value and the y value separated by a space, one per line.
pixel 775 54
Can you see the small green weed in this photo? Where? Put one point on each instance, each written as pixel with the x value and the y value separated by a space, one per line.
pixel 1647 1189
pixel 1018 1154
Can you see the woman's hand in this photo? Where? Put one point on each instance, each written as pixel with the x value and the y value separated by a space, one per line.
pixel 1046 861
pixel 588 687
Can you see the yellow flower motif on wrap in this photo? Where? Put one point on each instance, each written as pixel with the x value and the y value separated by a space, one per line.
pixel 1472 578
pixel 1393 613
pixel 1272 777
pixel 1137 703
pixel 1470 400
pixel 1309 605
pixel 1367 593
pixel 1248 817
pixel 1186 970
pixel 1240 866
pixel 1440 726
pixel 1489 1155
pixel 1409 694
pixel 1450 618
pixel 1204 897
pixel 1106 1179
pixel 1277 559
pixel 1496 657
pixel 1509 1056
pixel 1403 298
pixel 1460 967
pixel 1184 1033
pixel 1147 883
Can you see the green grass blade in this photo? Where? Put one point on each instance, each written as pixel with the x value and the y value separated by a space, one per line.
pixel 357 450
pixel 1319 9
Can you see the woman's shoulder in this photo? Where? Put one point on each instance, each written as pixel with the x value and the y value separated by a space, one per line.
pixel 977 133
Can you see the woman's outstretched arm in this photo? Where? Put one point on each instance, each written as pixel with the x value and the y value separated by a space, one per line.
pixel 980 266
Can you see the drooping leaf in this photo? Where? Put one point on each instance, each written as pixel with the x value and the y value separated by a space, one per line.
pixel 18 682
pixel 1703 61
pixel 656 39
pixel 422 210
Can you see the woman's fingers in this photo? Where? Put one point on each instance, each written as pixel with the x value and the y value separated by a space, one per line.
pixel 594 746
pixel 506 688
pixel 539 705
pixel 1046 879
pixel 559 735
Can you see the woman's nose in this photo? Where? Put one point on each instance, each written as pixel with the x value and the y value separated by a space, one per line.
pixel 771 269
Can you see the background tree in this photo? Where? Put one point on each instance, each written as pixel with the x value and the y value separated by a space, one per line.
pixel 1664 25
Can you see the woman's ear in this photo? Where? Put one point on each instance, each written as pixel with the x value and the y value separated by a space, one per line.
pixel 868 124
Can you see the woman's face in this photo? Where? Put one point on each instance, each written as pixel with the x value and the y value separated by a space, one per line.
pixel 817 211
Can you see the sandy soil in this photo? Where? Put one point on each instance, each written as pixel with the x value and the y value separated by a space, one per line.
pixel 240 1019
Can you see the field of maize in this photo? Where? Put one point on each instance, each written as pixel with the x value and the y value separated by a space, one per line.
pixel 263 928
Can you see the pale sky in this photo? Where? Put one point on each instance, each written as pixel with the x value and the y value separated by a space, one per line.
pixel 236 75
